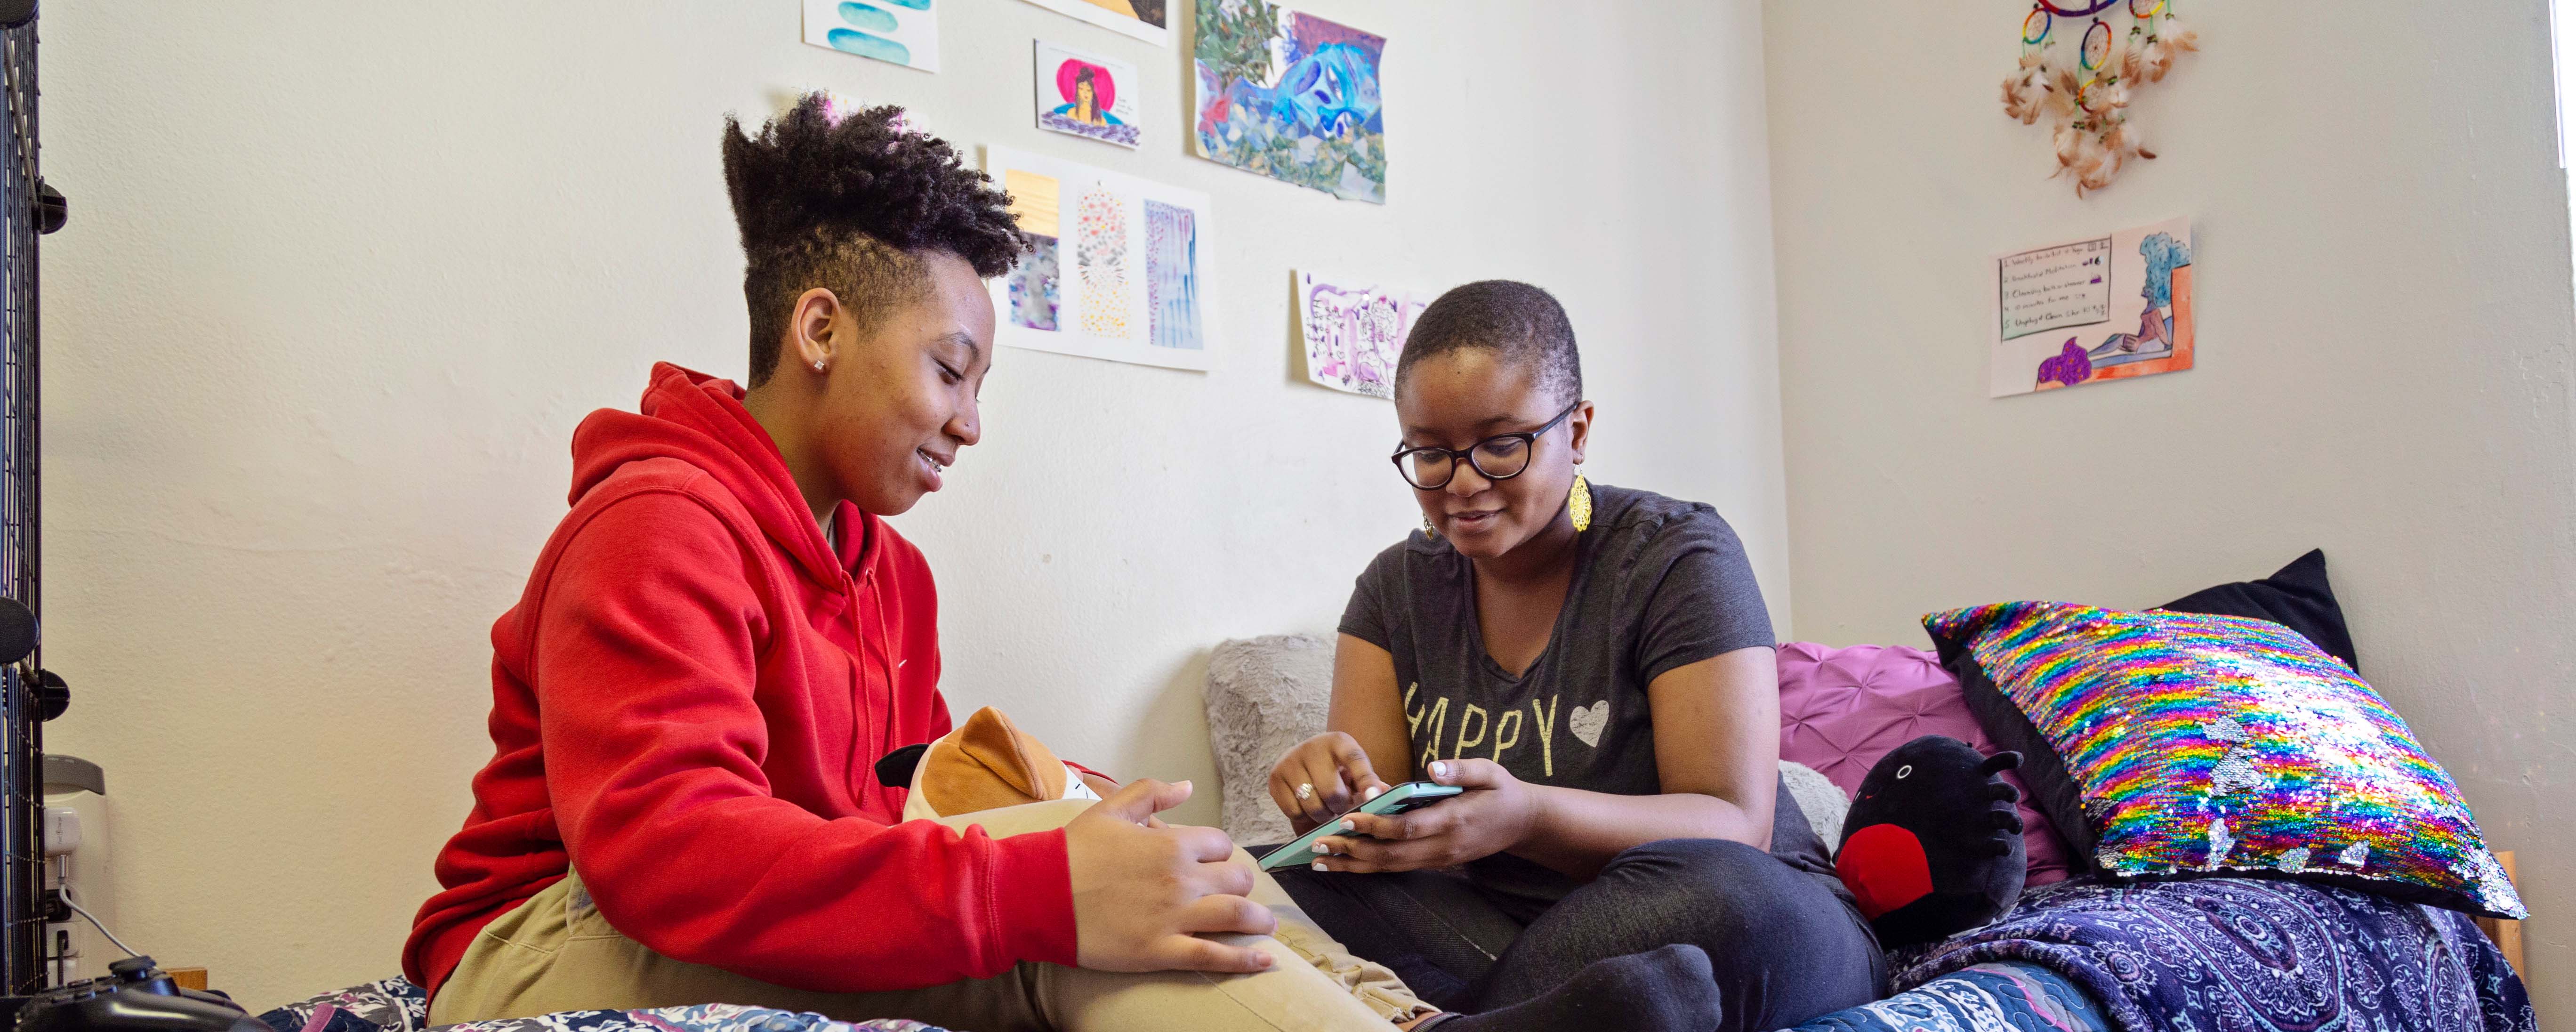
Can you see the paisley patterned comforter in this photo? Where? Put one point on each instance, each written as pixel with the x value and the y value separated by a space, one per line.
pixel 2210 955
pixel 2207 955
pixel 396 1005
pixel 2004 996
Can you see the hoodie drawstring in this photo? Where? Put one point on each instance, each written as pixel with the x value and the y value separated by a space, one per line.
pixel 864 591
pixel 885 636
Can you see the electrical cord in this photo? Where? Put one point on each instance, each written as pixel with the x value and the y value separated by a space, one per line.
pixel 94 922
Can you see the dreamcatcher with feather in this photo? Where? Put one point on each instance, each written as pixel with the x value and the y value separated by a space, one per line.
pixel 2085 94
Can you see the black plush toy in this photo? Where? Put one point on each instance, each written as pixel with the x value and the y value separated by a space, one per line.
pixel 1932 846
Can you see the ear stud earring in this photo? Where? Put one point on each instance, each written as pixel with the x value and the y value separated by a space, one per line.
pixel 818 365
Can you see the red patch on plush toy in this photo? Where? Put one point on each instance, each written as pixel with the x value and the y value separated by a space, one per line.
pixel 1883 865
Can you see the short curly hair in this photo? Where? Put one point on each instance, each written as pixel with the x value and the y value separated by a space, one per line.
pixel 849 201
pixel 1518 322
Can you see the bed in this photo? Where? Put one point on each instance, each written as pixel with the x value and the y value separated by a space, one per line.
pixel 2073 955
pixel 396 1005
pixel 2212 955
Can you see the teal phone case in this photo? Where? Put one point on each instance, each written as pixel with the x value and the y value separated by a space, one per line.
pixel 1394 800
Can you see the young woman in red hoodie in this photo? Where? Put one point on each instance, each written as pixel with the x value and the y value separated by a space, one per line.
pixel 722 637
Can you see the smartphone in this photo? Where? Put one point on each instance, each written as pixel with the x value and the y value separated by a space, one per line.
pixel 1393 801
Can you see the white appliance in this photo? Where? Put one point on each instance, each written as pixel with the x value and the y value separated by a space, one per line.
pixel 76 858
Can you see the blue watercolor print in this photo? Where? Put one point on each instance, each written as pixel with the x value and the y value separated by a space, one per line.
pixel 863 16
pixel 1172 275
pixel 865 45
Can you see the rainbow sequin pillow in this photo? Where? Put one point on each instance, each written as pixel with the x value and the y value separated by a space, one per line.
pixel 2225 745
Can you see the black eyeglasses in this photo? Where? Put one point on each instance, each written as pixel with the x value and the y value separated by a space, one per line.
pixel 1500 457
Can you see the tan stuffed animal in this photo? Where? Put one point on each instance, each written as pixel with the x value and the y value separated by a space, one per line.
pixel 985 764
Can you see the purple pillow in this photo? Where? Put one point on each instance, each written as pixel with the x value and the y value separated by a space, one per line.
pixel 1842 709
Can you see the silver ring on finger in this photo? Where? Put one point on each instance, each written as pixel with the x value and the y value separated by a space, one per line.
pixel 1305 790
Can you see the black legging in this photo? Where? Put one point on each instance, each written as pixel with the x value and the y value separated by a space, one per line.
pixel 1785 948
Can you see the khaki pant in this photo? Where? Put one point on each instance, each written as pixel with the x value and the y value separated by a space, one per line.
pixel 556 953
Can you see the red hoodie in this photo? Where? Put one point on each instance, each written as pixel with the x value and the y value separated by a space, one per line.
pixel 688 703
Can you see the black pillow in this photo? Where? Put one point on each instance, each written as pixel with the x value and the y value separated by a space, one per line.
pixel 2052 787
pixel 2298 598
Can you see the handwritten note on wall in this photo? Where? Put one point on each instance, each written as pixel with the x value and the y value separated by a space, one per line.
pixel 2100 308
pixel 2053 287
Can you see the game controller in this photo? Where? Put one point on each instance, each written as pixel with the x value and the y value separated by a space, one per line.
pixel 134 997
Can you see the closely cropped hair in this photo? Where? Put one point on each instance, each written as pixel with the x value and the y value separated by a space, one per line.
pixel 849 201
pixel 1519 322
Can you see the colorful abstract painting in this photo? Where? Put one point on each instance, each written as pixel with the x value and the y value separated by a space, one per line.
pixel 904 32
pixel 1172 275
pixel 1120 265
pixel 1087 95
pixel 2062 313
pixel 1032 283
pixel 1291 96
pixel 1353 331
pixel 1143 19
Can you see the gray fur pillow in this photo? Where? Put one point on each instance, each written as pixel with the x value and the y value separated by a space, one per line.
pixel 1819 799
pixel 1263 695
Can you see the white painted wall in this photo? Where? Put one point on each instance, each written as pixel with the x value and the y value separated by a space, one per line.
pixel 340 279
pixel 2384 363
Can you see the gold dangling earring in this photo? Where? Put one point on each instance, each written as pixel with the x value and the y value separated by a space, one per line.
pixel 1428 530
pixel 1578 503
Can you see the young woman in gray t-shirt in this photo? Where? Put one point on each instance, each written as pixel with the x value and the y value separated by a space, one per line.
pixel 1594 665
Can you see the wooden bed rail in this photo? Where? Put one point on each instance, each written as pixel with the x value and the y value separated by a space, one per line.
pixel 2507 934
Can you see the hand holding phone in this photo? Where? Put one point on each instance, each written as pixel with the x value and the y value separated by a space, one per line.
pixel 1393 801
pixel 1319 779
pixel 1496 813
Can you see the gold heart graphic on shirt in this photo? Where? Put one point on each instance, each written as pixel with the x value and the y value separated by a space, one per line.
pixel 1587 721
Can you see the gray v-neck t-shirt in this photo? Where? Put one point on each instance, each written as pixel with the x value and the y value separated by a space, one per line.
pixel 1658 584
